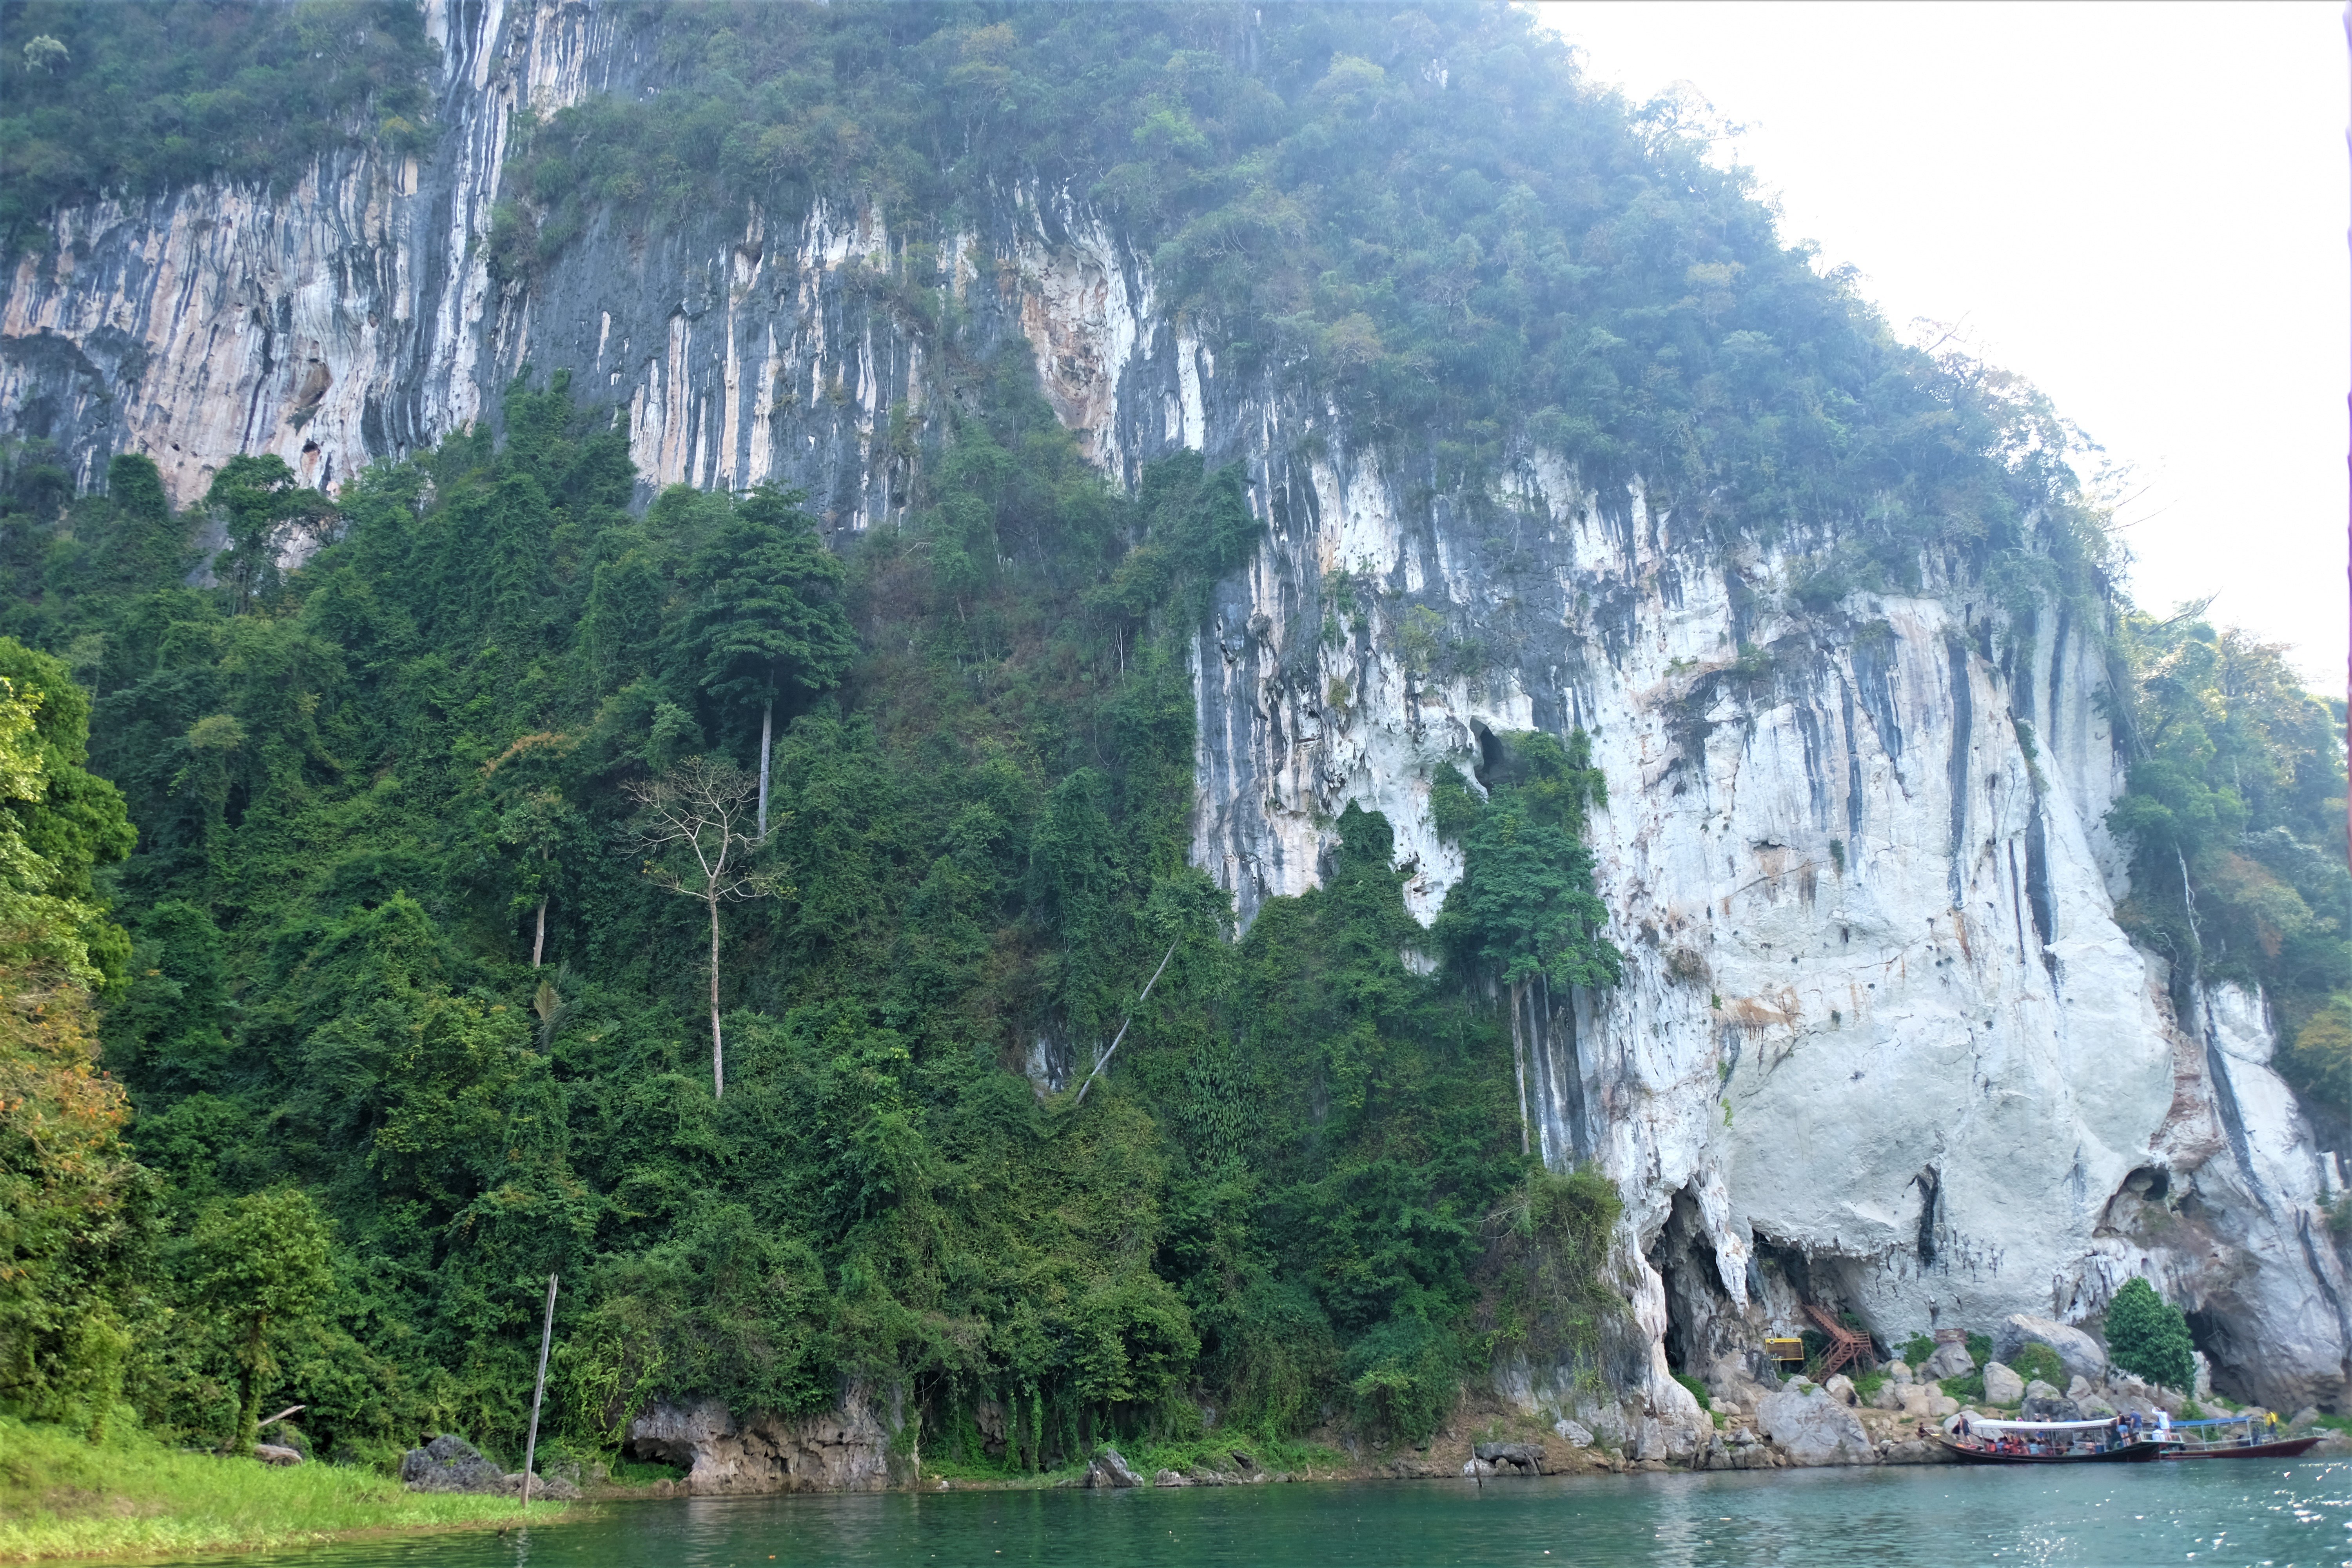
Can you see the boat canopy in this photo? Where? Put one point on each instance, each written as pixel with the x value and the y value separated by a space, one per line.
pixel 1991 1423
pixel 2218 1421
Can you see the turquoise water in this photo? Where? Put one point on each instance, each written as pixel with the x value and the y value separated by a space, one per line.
pixel 1938 1517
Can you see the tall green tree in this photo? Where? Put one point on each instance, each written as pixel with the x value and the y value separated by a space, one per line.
pixel 261 1263
pixel 767 620
pixel 257 500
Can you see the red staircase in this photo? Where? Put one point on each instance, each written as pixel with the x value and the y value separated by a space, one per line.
pixel 1844 1347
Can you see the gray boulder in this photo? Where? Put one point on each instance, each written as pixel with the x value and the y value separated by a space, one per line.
pixel 1814 1427
pixel 552 1489
pixel 450 1464
pixel 1111 1469
pixel 2037 1389
pixel 1898 1371
pixel 1573 1433
pixel 1839 1388
pixel 2094 1408
pixel 276 1454
pixel 2002 1386
pixel 1951 1360
pixel 2077 1351
pixel 1526 1458
pixel 2055 1407
pixel 1171 1479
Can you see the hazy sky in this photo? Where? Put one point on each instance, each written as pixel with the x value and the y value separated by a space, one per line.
pixel 2141 208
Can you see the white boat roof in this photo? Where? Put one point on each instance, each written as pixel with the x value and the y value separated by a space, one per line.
pixel 1994 1423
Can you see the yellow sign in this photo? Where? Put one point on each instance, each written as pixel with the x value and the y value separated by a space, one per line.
pixel 1785 1350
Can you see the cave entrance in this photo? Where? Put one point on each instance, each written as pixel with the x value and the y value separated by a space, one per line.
pixel 1703 1323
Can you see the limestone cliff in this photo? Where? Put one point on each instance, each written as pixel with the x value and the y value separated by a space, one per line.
pixel 1881 1040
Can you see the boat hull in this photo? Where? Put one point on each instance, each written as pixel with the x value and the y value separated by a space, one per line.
pixel 2284 1448
pixel 2132 1454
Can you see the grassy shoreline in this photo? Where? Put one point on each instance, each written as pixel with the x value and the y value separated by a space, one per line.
pixel 61 1498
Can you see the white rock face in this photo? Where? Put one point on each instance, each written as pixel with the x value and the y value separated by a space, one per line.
pixel 1880 1047
pixel 1814 1427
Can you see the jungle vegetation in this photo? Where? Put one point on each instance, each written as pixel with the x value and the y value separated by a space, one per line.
pixel 135 100
pixel 403 1021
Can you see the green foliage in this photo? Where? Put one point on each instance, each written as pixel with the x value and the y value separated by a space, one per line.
pixel 137 100
pixel 1697 1390
pixel 76 1211
pixel 1980 1347
pixel 2035 1360
pixel 1969 1389
pixel 2236 814
pixel 2148 1335
pixel 258 1264
pixel 1524 905
pixel 1918 1351
pixel 765 622
pixel 357 786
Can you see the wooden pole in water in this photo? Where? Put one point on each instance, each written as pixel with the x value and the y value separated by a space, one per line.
pixel 530 1446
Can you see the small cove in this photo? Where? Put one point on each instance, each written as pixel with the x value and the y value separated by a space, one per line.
pixel 2265 1516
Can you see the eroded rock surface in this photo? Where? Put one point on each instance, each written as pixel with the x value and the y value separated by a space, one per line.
pixel 1814 1428
pixel 846 1448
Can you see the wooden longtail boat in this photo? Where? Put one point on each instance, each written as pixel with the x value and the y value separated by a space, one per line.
pixel 2232 1438
pixel 1996 1442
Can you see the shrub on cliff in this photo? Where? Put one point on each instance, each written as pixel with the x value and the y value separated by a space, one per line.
pixel 2149 1336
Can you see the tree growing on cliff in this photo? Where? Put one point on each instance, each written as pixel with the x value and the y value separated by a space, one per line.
pixel 766 620
pixel 259 500
pixel 1524 910
pixel 2148 1335
pixel 691 831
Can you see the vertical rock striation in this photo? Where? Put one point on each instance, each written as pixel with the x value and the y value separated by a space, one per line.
pixel 1880 1042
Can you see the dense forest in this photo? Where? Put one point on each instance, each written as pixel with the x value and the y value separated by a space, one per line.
pixel 360 974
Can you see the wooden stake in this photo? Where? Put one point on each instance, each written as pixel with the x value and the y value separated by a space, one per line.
pixel 531 1448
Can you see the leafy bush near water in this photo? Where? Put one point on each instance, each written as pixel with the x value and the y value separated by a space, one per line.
pixel 2148 1335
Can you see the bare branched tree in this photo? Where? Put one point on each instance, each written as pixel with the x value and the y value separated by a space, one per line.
pixel 689 830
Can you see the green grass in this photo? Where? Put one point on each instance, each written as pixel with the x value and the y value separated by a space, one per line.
pixel 60 1497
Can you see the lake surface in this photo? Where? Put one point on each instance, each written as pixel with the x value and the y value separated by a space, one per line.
pixel 1934 1517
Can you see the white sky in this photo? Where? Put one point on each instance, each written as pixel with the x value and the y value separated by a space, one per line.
pixel 2141 208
